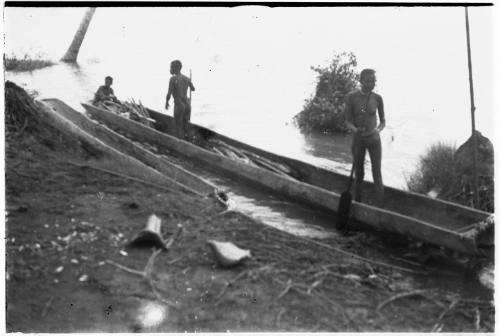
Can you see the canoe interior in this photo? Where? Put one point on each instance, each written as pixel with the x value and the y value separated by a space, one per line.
pixel 441 213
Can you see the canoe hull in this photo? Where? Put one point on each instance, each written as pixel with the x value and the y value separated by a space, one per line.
pixel 450 215
pixel 379 219
pixel 72 121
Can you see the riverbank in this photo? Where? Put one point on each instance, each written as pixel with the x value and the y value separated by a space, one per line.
pixel 67 230
pixel 27 63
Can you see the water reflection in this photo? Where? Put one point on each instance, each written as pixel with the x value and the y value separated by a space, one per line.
pixel 279 213
pixel 330 151
pixel 334 147
pixel 280 216
pixel 81 75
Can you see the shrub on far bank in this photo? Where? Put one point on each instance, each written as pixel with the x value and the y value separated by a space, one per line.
pixel 27 63
pixel 446 173
pixel 324 112
pixel 434 171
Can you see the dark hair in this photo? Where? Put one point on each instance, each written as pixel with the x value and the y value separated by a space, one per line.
pixel 366 72
pixel 108 77
pixel 176 64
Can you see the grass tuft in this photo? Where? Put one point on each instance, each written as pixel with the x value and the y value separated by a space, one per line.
pixel 442 173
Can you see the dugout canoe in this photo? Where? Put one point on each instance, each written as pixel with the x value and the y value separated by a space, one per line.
pixel 433 221
pixel 116 153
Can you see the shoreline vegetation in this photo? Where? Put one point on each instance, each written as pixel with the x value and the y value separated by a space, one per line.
pixel 324 112
pixel 443 172
pixel 446 172
pixel 26 63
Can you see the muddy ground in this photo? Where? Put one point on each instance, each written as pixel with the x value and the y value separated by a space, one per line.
pixel 69 268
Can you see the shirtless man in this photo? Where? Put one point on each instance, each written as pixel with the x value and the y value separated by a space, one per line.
pixel 105 92
pixel 361 118
pixel 177 87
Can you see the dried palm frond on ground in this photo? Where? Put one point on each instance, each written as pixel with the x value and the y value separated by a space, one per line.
pixel 20 109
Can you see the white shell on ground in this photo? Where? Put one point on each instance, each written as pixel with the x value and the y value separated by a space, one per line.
pixel 228 254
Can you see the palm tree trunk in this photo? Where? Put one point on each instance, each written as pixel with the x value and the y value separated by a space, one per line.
pixel 74 48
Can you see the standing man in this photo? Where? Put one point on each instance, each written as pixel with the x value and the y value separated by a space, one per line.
pixel 178 87
pixel 105 92
pixel 360 112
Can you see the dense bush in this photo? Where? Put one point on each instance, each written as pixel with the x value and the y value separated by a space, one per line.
pixel 448 173
pixel 324 112
pixel 435 170
pixel 27 63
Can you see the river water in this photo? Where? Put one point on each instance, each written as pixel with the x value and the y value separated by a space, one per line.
pixel 251 69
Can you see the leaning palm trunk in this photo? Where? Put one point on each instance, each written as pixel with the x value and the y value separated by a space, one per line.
pixel 74 48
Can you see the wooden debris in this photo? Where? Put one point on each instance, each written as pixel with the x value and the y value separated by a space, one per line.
pixel 131 110
pixel 228 254
pixel 150 235
pixel 146 274
pixel 477 319
pixel 251 158
pixel 401 296
pixel 353 255
pixel 47 307
pixel 218 298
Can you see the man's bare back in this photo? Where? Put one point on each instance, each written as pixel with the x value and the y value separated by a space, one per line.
pixel 178 87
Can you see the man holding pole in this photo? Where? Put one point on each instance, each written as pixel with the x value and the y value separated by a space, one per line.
pixel 177 87
pixel 361 118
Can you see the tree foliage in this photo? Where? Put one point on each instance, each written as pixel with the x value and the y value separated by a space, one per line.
pixel 324 111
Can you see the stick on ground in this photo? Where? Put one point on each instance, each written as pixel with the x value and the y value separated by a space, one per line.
pixel 438 325
pixel 401 296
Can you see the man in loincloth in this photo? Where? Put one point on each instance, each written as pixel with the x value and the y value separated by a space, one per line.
pixel 178 87
pixel 360 111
